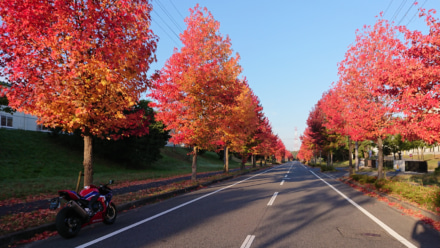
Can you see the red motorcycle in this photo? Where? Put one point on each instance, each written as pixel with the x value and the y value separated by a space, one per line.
pixel 92 204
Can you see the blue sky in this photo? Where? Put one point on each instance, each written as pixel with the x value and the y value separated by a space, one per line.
pixel 289 49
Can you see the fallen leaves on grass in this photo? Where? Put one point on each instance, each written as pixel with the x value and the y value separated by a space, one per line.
pixel 15 222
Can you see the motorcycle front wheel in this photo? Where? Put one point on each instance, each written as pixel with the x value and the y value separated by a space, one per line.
pixel 68 223
pixel 110 214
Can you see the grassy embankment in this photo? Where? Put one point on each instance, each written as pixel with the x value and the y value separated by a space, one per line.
pixel 33 163
pixel 34 166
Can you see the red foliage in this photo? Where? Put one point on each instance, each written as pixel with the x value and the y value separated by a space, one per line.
pixel 197 83
pixel 77 64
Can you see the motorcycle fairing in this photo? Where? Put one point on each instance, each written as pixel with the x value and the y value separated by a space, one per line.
pixel 69 194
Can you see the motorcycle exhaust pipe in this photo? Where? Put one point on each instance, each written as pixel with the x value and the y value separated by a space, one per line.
pixel 79 210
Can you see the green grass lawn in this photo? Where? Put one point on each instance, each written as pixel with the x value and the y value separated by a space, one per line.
pixel 35 163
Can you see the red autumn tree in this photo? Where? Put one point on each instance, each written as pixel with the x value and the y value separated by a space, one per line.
pixel 415 84
pixel 314 136
pixel 280 150
pixel 367 66
pixel 240 123
pixel 265 139
pixel 77 64
pixel 331 138
pixel 315 122
pixel 335 108
pixel 307 149
pixel 255 145
pixel 197 84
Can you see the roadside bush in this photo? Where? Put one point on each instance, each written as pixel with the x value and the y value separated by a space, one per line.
pixel 363 178
pixel 327 168
pixel 379 184
pixel 313 165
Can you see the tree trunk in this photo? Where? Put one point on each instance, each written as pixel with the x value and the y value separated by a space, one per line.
pixel 194 165
pixel 380 158
pixel 254 163
pixel 88 160
pixel 356 156
pixel 243 161
pixel 331 158
pixel 328 158
pixel 350 156
pixel 226 160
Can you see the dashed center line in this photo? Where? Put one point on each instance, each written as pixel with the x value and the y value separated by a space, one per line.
pixel 248 241
pixel 282 182
pixel 272 199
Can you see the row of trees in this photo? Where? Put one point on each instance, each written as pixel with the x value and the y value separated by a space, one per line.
pixel 204 104
pixel 82 65
pixel 386 86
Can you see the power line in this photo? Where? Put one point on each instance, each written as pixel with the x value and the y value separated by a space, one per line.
pixel 169 16
pixel 416 13
pixel 398 10
pixel 167 24
pixel 410 7
pixel 171 38
pixel 183 18
pixel 388 7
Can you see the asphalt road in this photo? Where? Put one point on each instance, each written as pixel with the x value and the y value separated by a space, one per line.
pixel 286 206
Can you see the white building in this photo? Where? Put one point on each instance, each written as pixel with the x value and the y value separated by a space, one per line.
pixel 19 120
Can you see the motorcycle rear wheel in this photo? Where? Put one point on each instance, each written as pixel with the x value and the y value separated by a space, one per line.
pixel 110 214
pixel 68 223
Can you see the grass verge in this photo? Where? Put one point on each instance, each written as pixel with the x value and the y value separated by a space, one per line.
pixel 427 197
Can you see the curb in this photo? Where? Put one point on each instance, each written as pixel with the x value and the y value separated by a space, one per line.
pixel 393 199
pixel 9 239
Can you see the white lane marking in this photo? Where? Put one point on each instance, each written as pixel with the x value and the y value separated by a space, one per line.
pixel 326 175
pixel 282 182
pixel 285 175
pixel 248 241
pixel 272 199
pixel 164 212
pixel 372 217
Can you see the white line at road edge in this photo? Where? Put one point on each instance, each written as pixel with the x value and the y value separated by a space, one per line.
pixel 372 217
pixel 165 212
pixel 248 241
